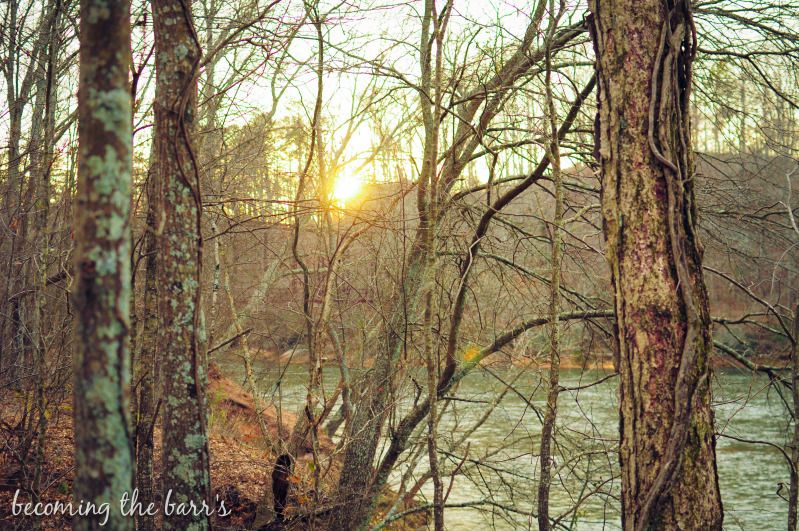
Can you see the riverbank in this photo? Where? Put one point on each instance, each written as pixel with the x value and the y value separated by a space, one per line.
pixel 298 356
pixel 240 459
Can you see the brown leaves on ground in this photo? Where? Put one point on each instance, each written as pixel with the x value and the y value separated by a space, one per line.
pixel 240 463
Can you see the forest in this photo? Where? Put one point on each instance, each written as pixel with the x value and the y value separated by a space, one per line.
pixel 399 264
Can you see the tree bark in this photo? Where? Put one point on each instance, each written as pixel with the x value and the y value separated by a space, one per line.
pixel 41 147
pixel 668 464
pixel 24 86
pixel 181 337
pixel 148 361
pixel 793 497
pixel 551 413
pixel 103 455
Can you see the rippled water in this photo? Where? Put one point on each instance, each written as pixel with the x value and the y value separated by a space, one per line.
pixel 502 452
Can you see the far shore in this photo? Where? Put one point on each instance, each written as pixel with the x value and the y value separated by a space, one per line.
pixel 571 361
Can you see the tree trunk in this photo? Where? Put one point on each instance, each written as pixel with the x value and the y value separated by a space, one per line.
pixel 551 413
pixel 102 263
pixel 41 147
pixel 793 497
pixel 148 360
pixel 24 85
pixel 185 440
pixel 668 463
pixel 355 490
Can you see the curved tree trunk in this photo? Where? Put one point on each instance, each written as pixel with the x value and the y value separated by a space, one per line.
pixel 668 462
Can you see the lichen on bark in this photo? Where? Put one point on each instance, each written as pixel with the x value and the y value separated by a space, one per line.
pixel 179 247
pixel 102 442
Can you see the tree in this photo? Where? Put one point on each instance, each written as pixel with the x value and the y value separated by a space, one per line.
pixel 102 263
pixel 550 415
pixel 409 236
pixel 475 109
pixel 643 143
pixel 146 367
pixel 185 439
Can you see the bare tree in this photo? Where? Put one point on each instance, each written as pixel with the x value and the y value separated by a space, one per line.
pixel 147 367
pixel 103 453
pixel 181 335
pixel 404 222
pixel 643 144
pixel 550 415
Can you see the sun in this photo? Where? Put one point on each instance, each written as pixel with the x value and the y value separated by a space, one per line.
pixel 346 188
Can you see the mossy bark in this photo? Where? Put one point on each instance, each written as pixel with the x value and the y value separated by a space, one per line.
pixel 667 450
pixel 103 455
pixel 185 441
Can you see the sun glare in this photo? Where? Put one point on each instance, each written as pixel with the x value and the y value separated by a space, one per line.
pixel 346 188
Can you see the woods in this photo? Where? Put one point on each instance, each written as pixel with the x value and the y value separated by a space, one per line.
pixel 443 264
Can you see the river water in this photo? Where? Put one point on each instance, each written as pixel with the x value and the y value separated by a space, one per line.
pixel 501 462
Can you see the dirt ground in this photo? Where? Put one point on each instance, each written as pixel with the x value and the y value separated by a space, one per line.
pixel 241 464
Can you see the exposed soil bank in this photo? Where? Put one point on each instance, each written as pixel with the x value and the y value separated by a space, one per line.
pixel 241 464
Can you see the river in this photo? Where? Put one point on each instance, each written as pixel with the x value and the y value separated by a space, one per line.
pixel 501 457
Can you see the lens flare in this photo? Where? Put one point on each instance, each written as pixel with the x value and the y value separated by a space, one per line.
pixel 346 188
